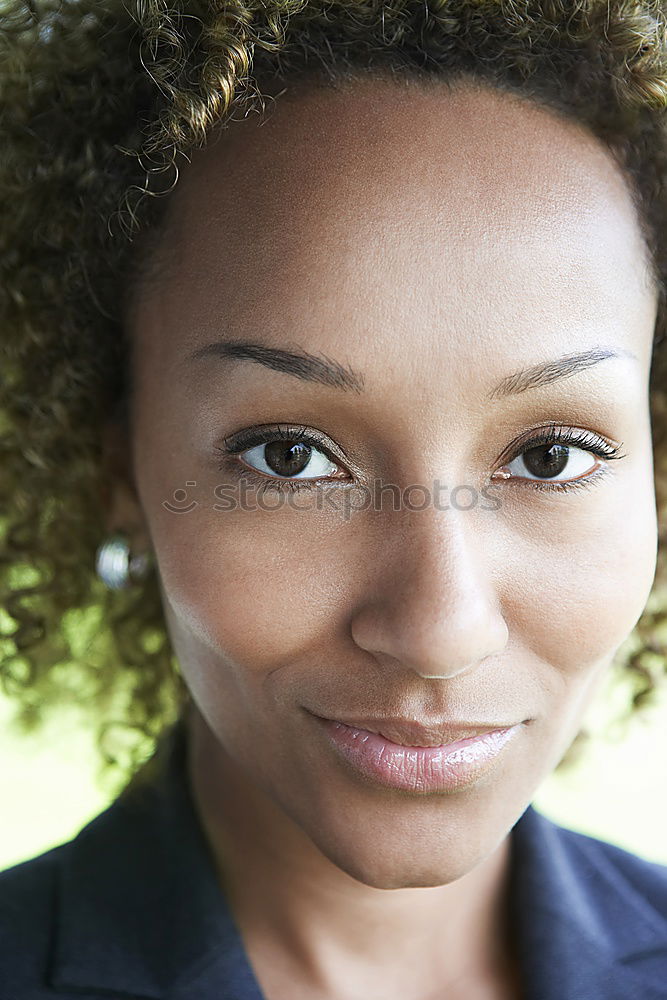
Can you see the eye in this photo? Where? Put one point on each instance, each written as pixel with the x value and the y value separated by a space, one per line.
pixel 285 455
pixel 559 455
pixel 290 460
pixel 555 462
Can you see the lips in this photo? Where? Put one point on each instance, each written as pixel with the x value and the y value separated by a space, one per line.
pixel 439 768
pixel 410 733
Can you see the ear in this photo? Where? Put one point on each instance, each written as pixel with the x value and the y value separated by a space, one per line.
pixel 122 510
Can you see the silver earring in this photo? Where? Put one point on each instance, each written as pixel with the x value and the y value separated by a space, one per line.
pixel 114 565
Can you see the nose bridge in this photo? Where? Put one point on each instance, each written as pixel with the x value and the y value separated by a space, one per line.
pixel 432 606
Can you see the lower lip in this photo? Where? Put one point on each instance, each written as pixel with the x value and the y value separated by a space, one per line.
pixel 418 769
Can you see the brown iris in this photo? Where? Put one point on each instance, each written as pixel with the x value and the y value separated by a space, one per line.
pixel 544 462
pixel 287 459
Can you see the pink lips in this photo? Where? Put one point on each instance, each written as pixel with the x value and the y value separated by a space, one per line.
pixel 416 768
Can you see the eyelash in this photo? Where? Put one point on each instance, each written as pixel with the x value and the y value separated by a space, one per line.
pixel 553 434
pixel 586 440
pixel 263 435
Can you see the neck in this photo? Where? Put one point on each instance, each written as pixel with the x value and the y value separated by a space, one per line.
pixel 309 921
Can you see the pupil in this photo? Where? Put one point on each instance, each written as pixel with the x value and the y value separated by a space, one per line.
pixel 544 462
pixel 287 459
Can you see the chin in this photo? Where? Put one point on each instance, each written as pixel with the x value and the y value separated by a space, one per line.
pixel 398 869
pixel 396 855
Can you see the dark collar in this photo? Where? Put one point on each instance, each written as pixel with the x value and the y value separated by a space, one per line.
pixel 140 909
pixel 140 912
pixel 586 928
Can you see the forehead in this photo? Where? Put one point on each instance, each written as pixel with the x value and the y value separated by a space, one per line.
pixel 407 200
pixel 325 154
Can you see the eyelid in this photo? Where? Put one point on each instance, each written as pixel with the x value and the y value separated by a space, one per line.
pixel 553 433
pixel 264 433
pixel 562 485
pixel 251 437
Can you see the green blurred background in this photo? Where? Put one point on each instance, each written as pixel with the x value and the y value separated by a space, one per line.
pixel 51 782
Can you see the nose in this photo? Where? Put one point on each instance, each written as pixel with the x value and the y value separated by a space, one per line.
pixel 431 606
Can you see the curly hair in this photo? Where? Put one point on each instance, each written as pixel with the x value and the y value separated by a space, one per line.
pixel 99 99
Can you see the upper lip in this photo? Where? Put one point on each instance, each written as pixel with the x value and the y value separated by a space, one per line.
pixel 410 733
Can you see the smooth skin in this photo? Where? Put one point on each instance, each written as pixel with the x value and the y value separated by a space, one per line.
pixel 433 241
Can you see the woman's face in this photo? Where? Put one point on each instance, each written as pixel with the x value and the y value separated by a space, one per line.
pixel 436 249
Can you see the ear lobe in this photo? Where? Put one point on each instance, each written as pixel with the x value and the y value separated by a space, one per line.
pixel 119 496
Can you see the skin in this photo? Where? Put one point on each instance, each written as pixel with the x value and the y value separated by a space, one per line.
pixel 435 261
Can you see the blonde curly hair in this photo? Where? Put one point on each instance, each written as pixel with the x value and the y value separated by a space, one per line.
pixel 99 99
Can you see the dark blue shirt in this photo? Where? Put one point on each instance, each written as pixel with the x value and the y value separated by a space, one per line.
pixel 132 908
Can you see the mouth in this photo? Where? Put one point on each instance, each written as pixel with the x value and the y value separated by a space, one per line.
pixel 407 755
pixel 410 733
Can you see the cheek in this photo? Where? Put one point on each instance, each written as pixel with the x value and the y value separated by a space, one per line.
pixel 586 575
pixel 256 588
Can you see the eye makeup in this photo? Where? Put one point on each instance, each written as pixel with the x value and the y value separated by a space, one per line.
pixel 545 437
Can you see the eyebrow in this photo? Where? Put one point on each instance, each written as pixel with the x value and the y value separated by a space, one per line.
pixel 314 368
pixel 552 371
pixel 301 364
